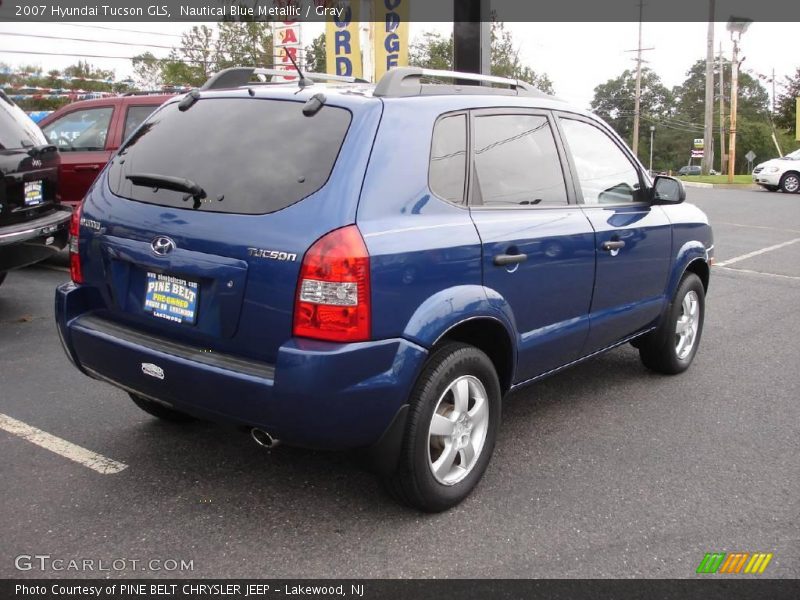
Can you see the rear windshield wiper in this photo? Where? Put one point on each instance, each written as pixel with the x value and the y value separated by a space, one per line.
pixel 176 184
pixel 41 149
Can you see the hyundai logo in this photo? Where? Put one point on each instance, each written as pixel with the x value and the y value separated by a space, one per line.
pixel 162 245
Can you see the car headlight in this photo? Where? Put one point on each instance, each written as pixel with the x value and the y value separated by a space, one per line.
pixel 771 170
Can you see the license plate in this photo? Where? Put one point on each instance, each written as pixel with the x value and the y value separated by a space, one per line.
pixel 171 298
pixel 33 193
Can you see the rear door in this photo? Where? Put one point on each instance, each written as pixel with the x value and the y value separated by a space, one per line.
pixel 83 138
pixel 633 240
pixel 538 247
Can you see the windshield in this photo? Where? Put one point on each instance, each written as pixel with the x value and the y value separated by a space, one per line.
pixel 793 155
pixel 248 155
pixel 16 128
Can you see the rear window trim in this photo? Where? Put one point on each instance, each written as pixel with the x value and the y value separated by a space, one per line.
pixel 177 99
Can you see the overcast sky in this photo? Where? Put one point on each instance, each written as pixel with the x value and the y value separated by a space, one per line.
pixel 576 56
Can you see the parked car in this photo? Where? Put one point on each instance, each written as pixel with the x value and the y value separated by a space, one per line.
pixel 376 267
pixel 690 170
pixel 779 174
pixel 33 225
pixel 88 132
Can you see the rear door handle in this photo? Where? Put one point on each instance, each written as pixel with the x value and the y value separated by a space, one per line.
pixel 613 245
pixel 87 168
pixel 502 260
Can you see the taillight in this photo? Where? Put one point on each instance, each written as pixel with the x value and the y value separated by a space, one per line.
pixel 74 257
pixel 333 295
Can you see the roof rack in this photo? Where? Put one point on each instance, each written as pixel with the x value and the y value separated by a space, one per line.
pixel 240 76
pixel 167 92
pixel 407 81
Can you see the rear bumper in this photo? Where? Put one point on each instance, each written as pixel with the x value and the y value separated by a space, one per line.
pixel 23 244
pixel 318 394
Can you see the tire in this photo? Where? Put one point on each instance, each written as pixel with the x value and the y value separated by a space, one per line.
pixel 455 375
pixel 161 411
pixel 790 183
pixel 668 350
pixel 2 277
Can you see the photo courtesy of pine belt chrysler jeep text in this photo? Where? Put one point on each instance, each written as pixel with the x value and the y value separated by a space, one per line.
pixel 381 282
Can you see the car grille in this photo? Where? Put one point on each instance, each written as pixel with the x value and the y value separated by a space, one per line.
pixel 758 169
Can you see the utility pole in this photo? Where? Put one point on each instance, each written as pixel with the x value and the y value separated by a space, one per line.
pixel 638 96
pixel 737 27
pixel 722 168
pixel 707 162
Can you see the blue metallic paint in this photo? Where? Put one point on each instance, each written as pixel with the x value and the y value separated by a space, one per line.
pixel 430 266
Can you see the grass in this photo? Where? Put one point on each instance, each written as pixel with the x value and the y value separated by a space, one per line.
pixel 737 179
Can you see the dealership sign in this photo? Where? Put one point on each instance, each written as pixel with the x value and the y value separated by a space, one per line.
pixel 286 41
pixel 343 43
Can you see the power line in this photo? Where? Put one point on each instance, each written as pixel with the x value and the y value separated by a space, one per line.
pixel 175 35
pixel 74 39
pixel 84 55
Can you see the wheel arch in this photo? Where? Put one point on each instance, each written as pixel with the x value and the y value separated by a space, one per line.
pixel 492 338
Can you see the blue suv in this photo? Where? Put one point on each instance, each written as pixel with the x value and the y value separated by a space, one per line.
pixel 346 265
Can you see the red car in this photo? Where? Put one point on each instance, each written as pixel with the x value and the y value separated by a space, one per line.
pixel 88 132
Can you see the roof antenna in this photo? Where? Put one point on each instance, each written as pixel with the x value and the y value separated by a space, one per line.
pixel 303 82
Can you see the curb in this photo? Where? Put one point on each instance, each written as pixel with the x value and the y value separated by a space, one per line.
pixel 697 185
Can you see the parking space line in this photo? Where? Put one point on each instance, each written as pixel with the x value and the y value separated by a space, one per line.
pixel 757 227
pixel 87 458
pixel 757 252
pixel 751 272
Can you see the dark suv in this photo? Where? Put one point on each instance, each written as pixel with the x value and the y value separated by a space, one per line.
pixel 32 224
pixel 356 266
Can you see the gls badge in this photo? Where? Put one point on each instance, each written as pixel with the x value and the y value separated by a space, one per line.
pixel 153 370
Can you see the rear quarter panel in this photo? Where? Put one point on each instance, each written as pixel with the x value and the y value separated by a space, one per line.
pixel 424 252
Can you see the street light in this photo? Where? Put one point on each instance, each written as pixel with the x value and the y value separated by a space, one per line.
pixel 737 26
pixel 652 130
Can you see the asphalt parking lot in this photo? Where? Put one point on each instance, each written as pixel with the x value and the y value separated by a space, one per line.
pixel 605 470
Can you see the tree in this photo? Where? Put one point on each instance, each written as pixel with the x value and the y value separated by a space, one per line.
pixel 614 101
pixel 753 100
pixel 433 51
pixel 316 55
pixel 506 61
pixel 786 106
pixel 201 54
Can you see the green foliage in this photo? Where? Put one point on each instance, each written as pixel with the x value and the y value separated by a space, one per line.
pixel 433 51
pixel 316 55
pixel 238 43
pixel 786 108
pixel 678 115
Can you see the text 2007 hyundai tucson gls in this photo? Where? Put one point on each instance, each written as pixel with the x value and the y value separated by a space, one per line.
pixel 355 266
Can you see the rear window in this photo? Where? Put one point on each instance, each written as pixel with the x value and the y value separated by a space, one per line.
pixel 16 128
pixel 249 156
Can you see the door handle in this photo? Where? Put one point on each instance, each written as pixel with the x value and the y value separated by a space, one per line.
pixel 87 168
pixel 613 245
pixel 502 260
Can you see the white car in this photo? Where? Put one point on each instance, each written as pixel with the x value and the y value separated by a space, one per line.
pixel 779 174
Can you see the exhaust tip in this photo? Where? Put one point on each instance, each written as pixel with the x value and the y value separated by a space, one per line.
pixel 264 439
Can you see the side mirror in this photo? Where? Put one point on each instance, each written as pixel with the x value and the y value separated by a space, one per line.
pixel 667 190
